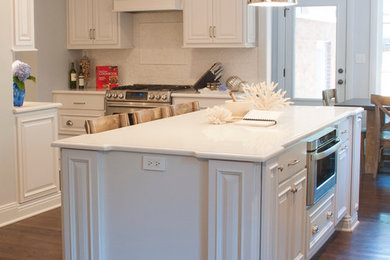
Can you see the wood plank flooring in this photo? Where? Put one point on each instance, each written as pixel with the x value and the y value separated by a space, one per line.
pixel 39 237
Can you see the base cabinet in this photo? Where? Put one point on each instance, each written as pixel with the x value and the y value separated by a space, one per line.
pixel 37 161
pixel 291 217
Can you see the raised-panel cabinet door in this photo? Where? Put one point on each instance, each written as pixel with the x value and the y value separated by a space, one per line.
pixel 343 181
pixel 23 24
pixel 37 160
pixel 284 226
pixel 80 23
pixel 105 23
pixel 228 22
pixel 197 18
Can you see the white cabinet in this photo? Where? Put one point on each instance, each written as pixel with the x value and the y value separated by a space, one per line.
pixel 77 106
pixel 291 217
pixel 219 23
pixel 23 25
pixel 93 25
pixel 343 169
pixel 284 185
pixel 37 161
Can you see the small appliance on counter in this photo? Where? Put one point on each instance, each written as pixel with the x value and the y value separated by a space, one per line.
pixel 211 76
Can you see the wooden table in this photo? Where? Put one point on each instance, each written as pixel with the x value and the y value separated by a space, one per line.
pixel 371 155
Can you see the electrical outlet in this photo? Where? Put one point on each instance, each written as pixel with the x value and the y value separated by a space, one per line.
pixel 153 163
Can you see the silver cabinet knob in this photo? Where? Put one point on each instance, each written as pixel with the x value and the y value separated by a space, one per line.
pixel 294 190
pixel 315 229
pixel 329 215
pixel 69 123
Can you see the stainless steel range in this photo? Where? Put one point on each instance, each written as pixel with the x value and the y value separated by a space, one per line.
pixel 130 98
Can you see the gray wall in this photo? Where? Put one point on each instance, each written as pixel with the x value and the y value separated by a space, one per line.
pixel 53 59
pixel 7 136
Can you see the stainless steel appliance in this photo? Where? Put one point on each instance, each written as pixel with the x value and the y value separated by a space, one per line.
pixel 130 98
pixel 321 163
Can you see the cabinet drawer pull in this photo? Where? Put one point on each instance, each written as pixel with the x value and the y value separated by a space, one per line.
pixel 329 215
pixel 90 34
pixel 295 162
pixel 344 132
pixel 315 229
pixel 294 190
pixel 79 103
pixel 211 32
pixel 69 123
pixel 214 31
pixel 280 168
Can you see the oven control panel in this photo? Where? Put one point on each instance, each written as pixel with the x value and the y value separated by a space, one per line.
pixel 138 96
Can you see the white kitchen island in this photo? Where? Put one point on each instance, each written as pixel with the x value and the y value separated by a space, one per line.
pixel 181 188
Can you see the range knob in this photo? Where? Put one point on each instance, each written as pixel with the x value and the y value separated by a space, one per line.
pixel 121 95
pixel 157 97
pixel 114 95
pixel 164 97
pixel 151 96
pixel 108 95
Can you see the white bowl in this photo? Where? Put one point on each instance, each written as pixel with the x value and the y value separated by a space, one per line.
pixel 238 108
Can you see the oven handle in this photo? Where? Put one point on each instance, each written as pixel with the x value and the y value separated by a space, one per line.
pixel 334 148
pixel 136 105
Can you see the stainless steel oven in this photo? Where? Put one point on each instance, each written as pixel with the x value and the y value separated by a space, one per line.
pixel 128 99
pixel 321 163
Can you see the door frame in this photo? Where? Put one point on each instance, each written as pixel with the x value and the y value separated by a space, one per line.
pixel 282 56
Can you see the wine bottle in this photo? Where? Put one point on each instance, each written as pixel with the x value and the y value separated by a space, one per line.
pixel 81 78
pixel 72 77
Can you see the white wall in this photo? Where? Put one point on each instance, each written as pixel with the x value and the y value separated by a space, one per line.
pixel 7 136
pixel 158 56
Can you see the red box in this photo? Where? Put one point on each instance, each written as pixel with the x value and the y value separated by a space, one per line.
pixel 106 77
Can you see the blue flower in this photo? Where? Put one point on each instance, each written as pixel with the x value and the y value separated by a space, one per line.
pixel 21 71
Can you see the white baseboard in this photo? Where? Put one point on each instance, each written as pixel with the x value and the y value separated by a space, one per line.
pixel 13 212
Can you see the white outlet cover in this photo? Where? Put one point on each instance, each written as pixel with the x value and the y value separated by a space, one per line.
pixel 154 163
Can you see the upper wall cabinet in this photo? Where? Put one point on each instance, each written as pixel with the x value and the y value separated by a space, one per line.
pixel 93 25
pixel 23 23
pixel 219 23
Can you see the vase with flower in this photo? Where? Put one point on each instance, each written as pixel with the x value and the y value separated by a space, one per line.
pixel 21 71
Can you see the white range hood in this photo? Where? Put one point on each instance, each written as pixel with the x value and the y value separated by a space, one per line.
pixel 147 5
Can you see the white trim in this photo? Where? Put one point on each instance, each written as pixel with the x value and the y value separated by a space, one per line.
pixel 375 47
pixel 14 212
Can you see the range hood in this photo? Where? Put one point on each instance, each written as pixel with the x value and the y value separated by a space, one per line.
pixel 146 5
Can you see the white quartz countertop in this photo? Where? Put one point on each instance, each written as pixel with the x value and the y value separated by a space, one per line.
pixel 35 106
pixel 192 135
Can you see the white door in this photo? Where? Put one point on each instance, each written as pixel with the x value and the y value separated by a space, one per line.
pixel 315 33
pixel 105 23
pixel 79 22
pixel 198 21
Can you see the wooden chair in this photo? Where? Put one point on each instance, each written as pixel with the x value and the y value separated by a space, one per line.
pixel 146 115
pixel 184 108
pixel 382 126
pixel 105 123
pixel 329 97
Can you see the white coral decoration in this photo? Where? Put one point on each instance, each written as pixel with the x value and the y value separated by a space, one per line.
pixel 264 97
pixel 218 115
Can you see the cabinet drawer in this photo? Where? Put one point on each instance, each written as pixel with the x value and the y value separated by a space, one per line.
pixel 292 161
pixel 71 123
pixel 80 101
pixel 204 102
pixel 345 129
pixel 321 220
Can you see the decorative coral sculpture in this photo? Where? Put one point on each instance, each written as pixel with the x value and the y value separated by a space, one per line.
pixel 218 115
pixel 264 97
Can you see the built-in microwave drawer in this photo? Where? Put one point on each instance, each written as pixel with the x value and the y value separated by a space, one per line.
pixel 80 101
pixel 321 220
pixel 292 161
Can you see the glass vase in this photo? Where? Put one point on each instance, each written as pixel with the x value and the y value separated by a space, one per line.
pixel 18 96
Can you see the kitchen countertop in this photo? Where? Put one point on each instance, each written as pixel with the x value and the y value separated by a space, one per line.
pixel 192 135
pixel 76 91
pixel 35 106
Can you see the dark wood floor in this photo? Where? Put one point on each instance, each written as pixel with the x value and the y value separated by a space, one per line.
pixel 39 237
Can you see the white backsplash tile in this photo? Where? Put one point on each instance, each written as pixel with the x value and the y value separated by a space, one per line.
pixel 158 56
